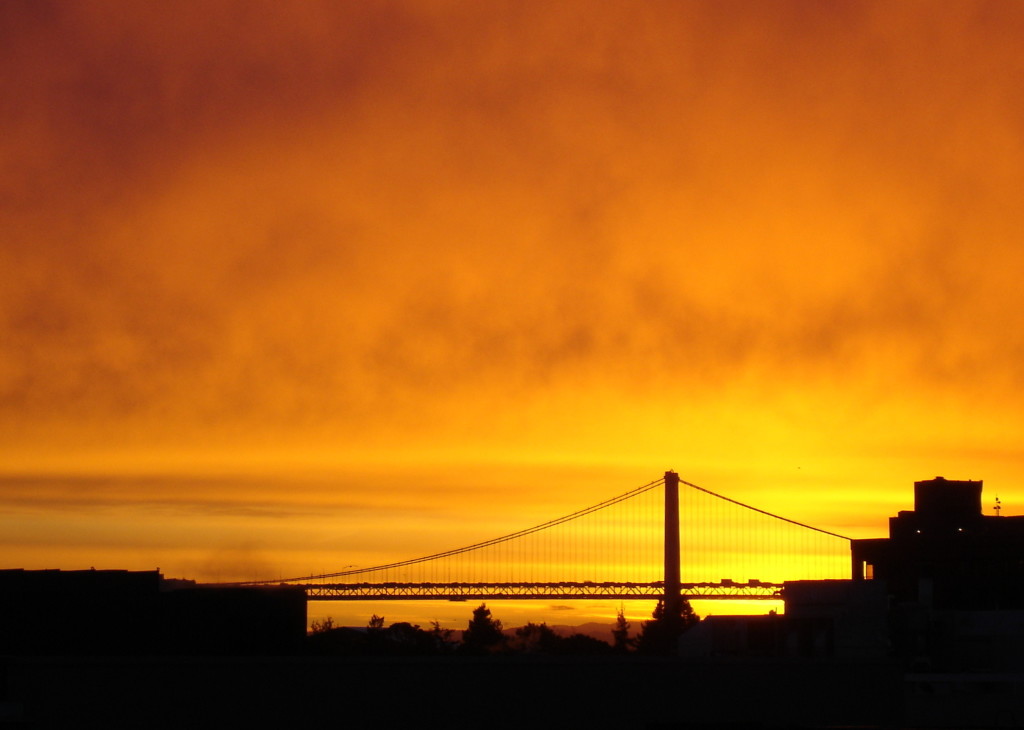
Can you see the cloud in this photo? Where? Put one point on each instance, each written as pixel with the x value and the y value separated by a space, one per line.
pixel 335 227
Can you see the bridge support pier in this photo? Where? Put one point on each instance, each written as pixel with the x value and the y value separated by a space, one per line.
pixel 673 587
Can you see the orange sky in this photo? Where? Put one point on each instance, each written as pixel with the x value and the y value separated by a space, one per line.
pixel 281 282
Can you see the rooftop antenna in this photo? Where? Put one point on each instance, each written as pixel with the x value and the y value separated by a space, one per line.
pixel 999 506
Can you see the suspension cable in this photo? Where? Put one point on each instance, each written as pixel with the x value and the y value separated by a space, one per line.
pixel 476 546
pixel 764 512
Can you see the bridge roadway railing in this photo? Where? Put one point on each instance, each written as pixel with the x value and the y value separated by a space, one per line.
pixel 724 590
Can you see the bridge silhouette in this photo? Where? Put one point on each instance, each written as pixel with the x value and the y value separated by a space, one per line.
pixel 667 539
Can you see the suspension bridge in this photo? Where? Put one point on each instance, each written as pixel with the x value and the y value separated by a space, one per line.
pixel 668 539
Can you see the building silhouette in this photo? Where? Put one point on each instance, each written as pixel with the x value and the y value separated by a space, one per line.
pixel 946 554
pixel 121 612
pixel 943 592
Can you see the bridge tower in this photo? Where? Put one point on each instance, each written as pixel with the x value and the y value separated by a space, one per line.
pixel 673 587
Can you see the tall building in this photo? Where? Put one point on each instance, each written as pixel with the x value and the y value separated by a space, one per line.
pixel 946 553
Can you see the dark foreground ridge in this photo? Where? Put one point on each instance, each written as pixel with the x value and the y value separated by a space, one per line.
pixel 454 692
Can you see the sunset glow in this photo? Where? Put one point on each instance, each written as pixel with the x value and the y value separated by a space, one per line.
pixel 288 287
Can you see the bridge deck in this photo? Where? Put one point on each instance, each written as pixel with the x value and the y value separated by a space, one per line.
pixel 725 590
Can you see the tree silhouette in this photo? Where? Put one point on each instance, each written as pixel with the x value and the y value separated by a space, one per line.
pixel 442 637
pixel 581 644
pixel 535 639
pixel 398 639
pixel 375 635
pixel 659 635
pixel 483 635
pixel 406 638
pixel 620 633
pixel 320 627
pixel 326 639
